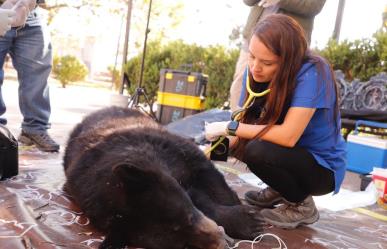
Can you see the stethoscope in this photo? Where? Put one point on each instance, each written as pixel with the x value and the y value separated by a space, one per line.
pixel 236 115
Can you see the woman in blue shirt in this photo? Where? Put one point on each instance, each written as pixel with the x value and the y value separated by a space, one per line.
pixel 290 138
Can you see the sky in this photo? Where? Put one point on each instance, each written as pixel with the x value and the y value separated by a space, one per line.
pixel 361 19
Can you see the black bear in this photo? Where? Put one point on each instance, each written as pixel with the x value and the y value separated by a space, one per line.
pixel 145 187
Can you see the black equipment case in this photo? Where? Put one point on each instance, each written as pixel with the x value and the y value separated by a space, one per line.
pixel 9 163
pixel 181 93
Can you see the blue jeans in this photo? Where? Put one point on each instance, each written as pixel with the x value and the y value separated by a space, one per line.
pixel 31 53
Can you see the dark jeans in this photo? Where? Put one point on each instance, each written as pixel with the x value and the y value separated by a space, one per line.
pixel 293 172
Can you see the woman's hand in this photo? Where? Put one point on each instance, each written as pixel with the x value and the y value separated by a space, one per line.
pixel 216 129
pixel 6 18
pixel 22 9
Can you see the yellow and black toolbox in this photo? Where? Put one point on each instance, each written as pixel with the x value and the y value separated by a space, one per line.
pixel 181 93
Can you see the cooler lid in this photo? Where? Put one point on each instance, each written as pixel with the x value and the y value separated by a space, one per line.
pixel 371 141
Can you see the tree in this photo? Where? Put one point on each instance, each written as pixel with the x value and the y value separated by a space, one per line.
pixel 54 7
pixel 99 19
pixel 360 59
pixel 236 36
pixel 166 12
pixel 152 11
pixel 68 69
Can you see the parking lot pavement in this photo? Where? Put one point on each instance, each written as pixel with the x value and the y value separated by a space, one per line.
pixel 68 106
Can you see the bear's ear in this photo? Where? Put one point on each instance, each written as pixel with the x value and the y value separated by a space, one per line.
pixel 134 177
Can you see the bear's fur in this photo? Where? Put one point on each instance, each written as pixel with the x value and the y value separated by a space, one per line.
pixel 146 187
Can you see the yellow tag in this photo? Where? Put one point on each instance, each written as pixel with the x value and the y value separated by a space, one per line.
pixel 169 76
pixel 191 78
pixel 182 101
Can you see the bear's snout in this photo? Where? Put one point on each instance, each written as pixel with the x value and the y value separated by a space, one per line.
pixel 210 235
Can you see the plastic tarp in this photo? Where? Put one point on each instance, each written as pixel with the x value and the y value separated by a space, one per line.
pixel 35 212
pixel 192 127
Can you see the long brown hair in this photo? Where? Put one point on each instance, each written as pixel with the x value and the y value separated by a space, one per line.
pixel 284 37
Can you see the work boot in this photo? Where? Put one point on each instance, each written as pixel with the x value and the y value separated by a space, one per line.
pixel 265 198
pixel 290 215
pixel 42 141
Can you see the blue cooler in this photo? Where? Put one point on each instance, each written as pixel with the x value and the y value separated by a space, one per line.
pixel 365 153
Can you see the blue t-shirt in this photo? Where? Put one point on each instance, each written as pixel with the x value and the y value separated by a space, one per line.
pixel 322 136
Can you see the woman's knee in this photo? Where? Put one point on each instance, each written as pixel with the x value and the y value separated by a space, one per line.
pixel 254 152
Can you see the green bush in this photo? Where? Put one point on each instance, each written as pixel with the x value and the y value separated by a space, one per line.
pixel 116 77
pixel 381 48
pixel 359 59
pixel 69 69
pixel 215 61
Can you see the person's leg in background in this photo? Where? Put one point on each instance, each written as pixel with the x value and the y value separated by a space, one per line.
pixel 5 44
pixel 293 176
pixel 32 58
pixel 236 85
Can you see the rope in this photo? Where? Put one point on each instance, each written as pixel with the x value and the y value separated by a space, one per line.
pixel 258 239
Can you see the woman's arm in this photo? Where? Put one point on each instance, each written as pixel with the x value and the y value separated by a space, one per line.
pixel 287 134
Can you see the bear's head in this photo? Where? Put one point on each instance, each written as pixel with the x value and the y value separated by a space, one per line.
pixel 153 211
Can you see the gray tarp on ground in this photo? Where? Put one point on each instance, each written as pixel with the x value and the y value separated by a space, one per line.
pixel 192 127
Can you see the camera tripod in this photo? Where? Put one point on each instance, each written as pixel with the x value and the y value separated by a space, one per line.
pixel 140 91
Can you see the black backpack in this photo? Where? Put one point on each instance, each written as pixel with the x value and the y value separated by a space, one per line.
pixel 9 163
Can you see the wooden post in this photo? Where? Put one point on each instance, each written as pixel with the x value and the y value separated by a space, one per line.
pixel 339 18
pixel 125 54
